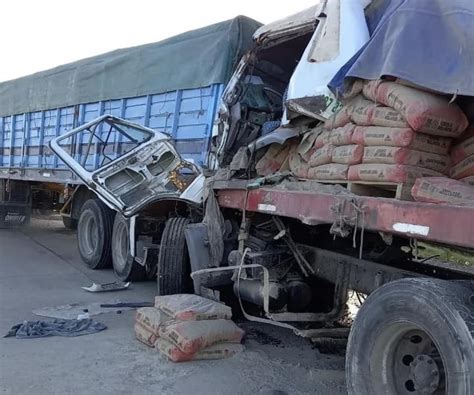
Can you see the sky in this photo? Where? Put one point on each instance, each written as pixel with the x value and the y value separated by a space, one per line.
pixel 36 35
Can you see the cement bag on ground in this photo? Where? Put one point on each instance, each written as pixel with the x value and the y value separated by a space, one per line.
pixel 321 156
pixel 192 307
pixel 424 111
pixel 463 169
pixel 388 173
pixel 468 180
pixel 298 166
pixel 332 171
pixel 342 136
pixel 192 336
pixel 151 318
pixel 442 190
pixel 462 150
pixel 406 156
pixel 144 335
pixel 348 154
pixel 217 351
pixel 400 137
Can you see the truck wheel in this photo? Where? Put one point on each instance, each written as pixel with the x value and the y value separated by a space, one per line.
pixel 173 275
pixel 94 234
pixel 413 336
pixel 125 267
pixel 69 223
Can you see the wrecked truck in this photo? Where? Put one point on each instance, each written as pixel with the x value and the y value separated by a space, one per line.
pixel 289 251
pixel 138 84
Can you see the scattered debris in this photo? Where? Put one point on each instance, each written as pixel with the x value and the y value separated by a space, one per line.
pixel 107 287
pixel 132 305
pixel 65 328
pixel 73 310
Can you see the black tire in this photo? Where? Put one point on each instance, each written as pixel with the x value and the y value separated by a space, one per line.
pixel 413 336
pixel 125 267
pixel 94 234
pixel 69 223
pixel 173 267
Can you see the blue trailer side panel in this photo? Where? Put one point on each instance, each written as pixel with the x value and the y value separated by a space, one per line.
pixel 186 115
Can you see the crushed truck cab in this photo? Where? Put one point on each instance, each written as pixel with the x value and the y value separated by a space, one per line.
pixel 147 167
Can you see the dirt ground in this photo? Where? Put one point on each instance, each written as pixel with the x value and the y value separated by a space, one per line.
pixel 40 267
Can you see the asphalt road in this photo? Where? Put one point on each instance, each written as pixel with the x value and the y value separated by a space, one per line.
pixel 40 267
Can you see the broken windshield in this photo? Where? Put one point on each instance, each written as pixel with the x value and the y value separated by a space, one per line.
pixel 99 143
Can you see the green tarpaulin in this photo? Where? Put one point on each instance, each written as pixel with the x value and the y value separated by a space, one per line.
pixel 193 59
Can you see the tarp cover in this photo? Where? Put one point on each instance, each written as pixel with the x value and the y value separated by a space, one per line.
pixel 193 59
pixel 427 42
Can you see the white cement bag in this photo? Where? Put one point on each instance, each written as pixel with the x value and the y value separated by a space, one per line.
pixel 400 137
pixel 462 150
pixel 338 120
pixel 151 318
pixel 389 173
pixel 144 335
pixel 348 154
pixel 192 307
pixel 342 136
pixel 443 190
pixel 463 169
pixel 424 111
pixel 406 156
pixel 321 156
pixel 332 171
pixel 216 351
pixel 192 336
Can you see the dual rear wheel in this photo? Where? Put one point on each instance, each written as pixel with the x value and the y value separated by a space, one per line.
pixel 103 240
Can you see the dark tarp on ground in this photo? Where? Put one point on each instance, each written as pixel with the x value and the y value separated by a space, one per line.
pixel 427 42
pixel 65 328
pixel 193 59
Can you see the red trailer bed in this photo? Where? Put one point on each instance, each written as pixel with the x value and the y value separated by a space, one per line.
pixel 448 224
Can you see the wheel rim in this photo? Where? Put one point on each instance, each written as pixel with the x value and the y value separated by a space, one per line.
pixel 405 360
pixel 90 235
pixel 121 248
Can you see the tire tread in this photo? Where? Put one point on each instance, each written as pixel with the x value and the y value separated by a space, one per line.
pixel 173 265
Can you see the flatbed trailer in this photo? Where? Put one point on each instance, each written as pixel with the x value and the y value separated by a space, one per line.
pixel 441 223
pixel 413 332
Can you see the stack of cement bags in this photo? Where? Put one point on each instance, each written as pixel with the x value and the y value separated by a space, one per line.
pixel 462 156
pixel 443 190
pixel 187 327
pixel 459 190
pixel 389 133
